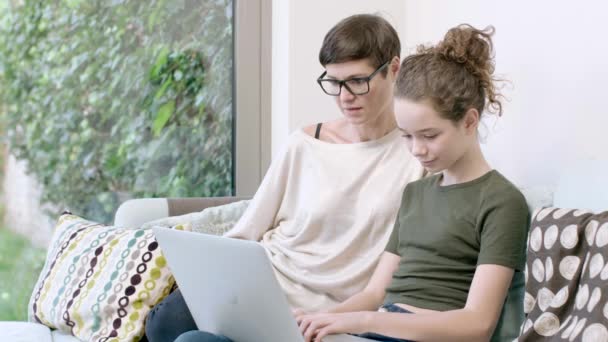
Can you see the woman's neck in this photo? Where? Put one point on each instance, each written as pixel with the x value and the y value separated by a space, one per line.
pixel 368 131
pixel 470 166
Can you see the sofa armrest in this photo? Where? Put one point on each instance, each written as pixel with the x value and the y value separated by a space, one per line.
pixel 135 212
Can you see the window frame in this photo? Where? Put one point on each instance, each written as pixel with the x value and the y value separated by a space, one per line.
pixel 251 93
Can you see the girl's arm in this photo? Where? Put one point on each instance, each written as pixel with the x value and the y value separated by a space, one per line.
pixel 475 322
pixel 369 299
pixel 372 296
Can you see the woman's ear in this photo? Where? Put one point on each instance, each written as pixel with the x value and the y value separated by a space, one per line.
pixel 394 66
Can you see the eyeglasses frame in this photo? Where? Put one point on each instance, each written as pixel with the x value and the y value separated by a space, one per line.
pixel 342 83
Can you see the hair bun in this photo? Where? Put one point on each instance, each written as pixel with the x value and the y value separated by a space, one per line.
pixel 464 60
pixel 469 46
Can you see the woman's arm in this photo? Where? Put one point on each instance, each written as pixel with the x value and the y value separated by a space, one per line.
pixel 475 322
pixel 262 211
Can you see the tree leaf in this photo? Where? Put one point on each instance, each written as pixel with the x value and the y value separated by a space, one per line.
pixel 162 117
pixel 162 89
pixel 161 60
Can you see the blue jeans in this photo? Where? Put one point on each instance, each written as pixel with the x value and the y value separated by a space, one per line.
pixel 169 319
pixel 383 338
pixel 201 336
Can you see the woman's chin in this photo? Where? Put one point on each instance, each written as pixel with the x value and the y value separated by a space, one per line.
pixel 354 114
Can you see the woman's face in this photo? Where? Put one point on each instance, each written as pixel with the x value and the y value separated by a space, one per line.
pixel 436 142
pixel 366 108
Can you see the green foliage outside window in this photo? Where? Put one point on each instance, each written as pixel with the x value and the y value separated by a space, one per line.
pixel 112 99
pixel 20 264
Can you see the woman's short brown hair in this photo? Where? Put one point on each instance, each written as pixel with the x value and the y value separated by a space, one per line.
pixel 360 36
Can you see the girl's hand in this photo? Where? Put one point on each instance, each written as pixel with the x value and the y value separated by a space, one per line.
pixel 315 327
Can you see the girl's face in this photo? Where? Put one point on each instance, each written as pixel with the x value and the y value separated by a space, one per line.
pixel 436 142
pixel 366 108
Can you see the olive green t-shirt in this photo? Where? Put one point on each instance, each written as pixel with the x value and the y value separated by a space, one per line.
pixel 443 232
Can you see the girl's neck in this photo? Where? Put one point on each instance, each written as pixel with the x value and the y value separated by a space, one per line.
pixel 470 166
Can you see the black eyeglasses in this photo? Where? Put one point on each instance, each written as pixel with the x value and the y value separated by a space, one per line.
pixel 355 85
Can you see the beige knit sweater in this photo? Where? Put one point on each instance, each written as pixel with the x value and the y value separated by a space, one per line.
pixel 324 213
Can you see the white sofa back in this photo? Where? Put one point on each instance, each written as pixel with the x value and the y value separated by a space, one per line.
pixel 583 185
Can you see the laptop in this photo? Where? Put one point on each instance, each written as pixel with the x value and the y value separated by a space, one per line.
pixel 230 288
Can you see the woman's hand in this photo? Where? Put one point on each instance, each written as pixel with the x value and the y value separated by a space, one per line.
pixel 298 314
pixel 315 327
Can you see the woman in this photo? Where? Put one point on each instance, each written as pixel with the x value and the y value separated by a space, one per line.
pixel 461 233
pixel 327 204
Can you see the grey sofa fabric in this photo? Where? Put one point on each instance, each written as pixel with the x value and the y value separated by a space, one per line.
pixel 181 206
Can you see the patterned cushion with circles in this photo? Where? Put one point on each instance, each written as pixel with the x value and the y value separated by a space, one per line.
pixel 566 273
pixel 99 282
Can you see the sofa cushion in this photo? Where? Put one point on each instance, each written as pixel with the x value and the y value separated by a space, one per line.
pixel 566 296
pixel 60 336
pixel 537 197
pixel 24 332
pixel 99 281
pixel 213 220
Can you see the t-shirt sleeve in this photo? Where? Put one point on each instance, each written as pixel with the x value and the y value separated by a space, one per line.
pixel 393 242
pixel 504 231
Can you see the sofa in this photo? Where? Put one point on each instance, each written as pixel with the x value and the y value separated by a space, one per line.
pixel 581 185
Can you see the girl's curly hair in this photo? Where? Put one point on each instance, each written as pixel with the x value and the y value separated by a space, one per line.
pixel 454 75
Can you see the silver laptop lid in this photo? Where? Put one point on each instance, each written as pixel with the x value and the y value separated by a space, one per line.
pixel 229 286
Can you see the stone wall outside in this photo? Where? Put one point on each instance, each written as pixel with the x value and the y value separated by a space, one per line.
pixel 23 212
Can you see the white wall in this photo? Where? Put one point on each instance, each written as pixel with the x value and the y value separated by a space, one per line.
pixel 553 52
pixel 555 55
pixel 298 30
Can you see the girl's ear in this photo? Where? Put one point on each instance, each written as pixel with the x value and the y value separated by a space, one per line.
pixel 471 120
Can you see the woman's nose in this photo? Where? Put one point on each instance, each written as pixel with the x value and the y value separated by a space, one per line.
pixel 346 95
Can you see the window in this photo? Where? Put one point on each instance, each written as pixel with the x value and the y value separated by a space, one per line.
pixel 103 101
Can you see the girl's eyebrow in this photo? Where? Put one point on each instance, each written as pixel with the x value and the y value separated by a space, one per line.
pixel 420 131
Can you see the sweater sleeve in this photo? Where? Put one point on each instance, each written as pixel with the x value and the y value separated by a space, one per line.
pixel 261 213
